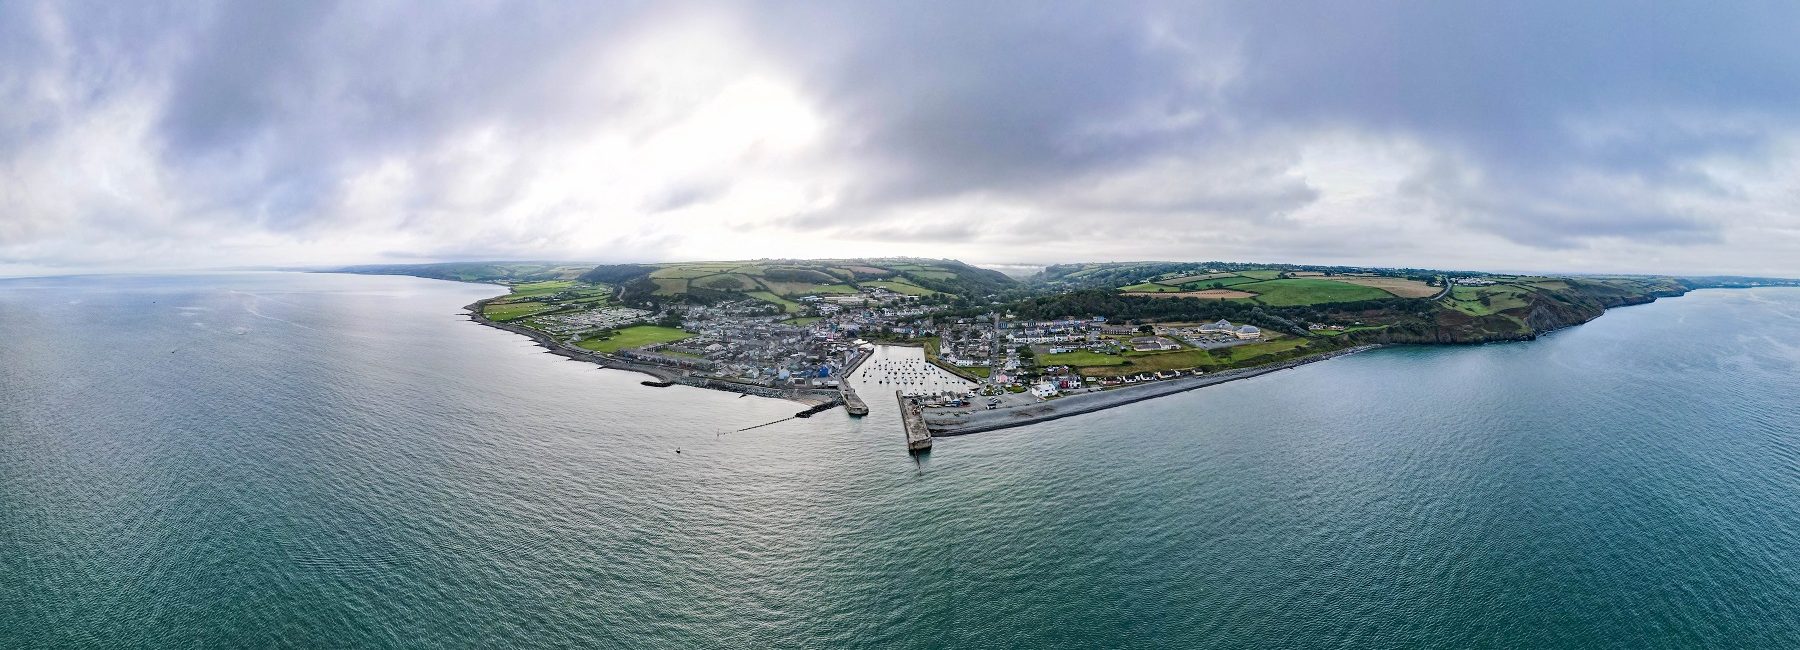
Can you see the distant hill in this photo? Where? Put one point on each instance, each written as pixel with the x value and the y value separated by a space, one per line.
pixel 776 281
pixel 476 271
pixel 780 280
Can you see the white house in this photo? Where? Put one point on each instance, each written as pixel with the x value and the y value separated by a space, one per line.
pixel 1248 332
pixel 1044 390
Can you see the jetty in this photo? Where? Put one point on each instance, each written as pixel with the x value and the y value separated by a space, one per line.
pixel 853 403
pixel 912 418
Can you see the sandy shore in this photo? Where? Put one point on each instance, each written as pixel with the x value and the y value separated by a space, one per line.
pixel 945 424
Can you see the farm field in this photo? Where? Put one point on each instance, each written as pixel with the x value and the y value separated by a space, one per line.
pixel 1402 287
pixel 635 336
pixel 1202 359
pixel 545 288
pixel 506 311
pixel 933 275
pixel 687 272
pixel 1219 282
pixel 1481 301
pixel 1081 359
pixel 905 288
pixel 1309 291
pixel 1207 294
pixel 1150 287
pixel 803 288
pixel 1196 278
pixel 788 306
pixel 726 282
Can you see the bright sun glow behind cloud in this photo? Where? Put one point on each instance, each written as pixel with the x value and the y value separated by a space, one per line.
pixel 135 137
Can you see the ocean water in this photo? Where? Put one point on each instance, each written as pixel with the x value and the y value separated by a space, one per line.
pixel 267 460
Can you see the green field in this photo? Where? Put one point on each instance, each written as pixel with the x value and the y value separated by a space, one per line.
pixel 788 306
pixel 1481 301
pixel 1181 278
pixel 533 289
pixel 685 272
pixel 1222 282
pixel 743 282
pixel 635 336
pixel 1261 274
pixel 1202 359
pixel 906 288
pixel 505 311
pixel 806 288
pixel 1081 359
pixel 1308 291
pixel 1150 287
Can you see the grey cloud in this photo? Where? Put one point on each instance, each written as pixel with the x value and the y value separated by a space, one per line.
pixel 1551 126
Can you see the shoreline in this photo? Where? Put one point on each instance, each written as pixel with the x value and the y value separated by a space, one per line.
pixel 983 421
pixel 968 422
pixel 664 377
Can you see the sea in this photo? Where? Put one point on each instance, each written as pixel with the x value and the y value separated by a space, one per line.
pixel 253 460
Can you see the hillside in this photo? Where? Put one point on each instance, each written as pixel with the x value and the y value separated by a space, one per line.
pixel 476 271
pixel 780 281
pixel 776 282
pixel 1349 304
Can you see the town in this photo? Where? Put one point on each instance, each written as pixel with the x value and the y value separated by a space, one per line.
pixel 990 350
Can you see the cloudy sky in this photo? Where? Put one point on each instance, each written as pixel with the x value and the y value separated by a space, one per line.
pixel 1554 136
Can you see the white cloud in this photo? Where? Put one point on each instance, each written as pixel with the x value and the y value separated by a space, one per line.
pixel 322 134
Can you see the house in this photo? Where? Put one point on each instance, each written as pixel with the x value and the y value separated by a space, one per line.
pixel 1221 326
pixel 1044 390
pixel 1248 332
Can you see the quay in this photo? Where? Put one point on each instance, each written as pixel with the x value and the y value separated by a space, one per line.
pixel 853 404
pixel 912 417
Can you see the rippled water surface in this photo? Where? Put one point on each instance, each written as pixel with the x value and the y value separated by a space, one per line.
pixel 264 460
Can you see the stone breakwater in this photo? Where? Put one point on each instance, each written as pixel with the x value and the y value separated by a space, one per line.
pixel 979 421
pixel 664 376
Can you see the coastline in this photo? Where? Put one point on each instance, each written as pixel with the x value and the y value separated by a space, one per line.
pixel 970 422
pixel 664 376
pixel 1072 405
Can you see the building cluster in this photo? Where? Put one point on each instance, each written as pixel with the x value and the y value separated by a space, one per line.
pixel 567 324
pixel 1217 334
pixel 749 341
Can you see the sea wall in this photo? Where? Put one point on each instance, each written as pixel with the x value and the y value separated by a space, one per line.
pixel 979 421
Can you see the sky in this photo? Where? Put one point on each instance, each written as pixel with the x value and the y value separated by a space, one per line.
pixel 1598 136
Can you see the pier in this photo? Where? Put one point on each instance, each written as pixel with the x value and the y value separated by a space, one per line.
pixel 912 417
pixel 853 404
